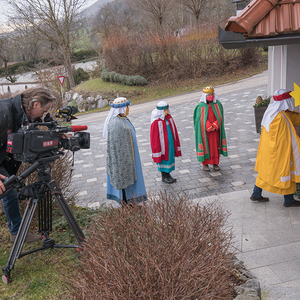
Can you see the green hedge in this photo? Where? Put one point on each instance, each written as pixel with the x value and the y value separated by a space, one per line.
pixel 12 69
pixel 80 75
pixel 26 66
pixel 83 55
pixel 123 79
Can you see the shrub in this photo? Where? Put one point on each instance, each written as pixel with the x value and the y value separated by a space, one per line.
pixel 139 80
pixel 73 103
pixel 158 56
pixel 123 79
pixel 16 68
pixel 83 55
pixel 80 75
pixel 168 249
pixel 111 76
pixel 129 80
pixel 262 102
pixel 105 75
pixel 117 77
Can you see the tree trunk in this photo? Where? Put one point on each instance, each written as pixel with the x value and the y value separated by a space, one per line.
pixel 68 65
pixel 5 68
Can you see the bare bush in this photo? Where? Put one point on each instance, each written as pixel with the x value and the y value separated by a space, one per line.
pixel 168 249
pixel 165 56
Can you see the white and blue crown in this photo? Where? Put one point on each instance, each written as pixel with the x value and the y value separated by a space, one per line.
pixel 120 102
pixel 162 105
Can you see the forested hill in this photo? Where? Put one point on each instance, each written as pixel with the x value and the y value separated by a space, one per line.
pixel 94 8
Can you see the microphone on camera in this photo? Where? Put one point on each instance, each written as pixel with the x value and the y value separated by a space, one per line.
pixel 79 128
pixel 70 129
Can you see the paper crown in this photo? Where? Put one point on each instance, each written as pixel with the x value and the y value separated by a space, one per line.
pixel 162 105
pixel 120 102
pixel 208 90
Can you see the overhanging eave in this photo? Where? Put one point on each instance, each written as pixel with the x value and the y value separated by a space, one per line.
pixel 232 40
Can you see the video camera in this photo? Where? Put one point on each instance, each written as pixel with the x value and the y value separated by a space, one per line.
pixel 30 143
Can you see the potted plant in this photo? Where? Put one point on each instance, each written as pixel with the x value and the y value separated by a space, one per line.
pixel 260 107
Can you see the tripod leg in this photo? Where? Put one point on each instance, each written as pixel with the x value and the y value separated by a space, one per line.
pixel 20 239
pixel 56 192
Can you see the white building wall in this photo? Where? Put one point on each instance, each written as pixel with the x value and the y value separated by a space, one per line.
pixel 283 67
pixel 293 66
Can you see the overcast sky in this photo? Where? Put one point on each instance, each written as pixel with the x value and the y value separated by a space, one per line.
pixel 4 8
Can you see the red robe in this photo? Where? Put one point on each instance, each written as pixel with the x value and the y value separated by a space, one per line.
pixel 159 139
pixel 213 138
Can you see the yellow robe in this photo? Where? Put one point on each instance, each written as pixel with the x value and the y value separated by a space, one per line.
pixel 278 155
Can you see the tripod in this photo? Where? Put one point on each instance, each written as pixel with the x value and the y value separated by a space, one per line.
pixel 39 194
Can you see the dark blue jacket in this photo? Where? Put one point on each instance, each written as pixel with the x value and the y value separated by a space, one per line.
pixel 13 116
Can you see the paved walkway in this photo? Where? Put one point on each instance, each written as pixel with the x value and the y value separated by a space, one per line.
pixel 267 235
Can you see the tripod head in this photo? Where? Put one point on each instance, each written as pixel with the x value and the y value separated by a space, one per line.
pixel 44 173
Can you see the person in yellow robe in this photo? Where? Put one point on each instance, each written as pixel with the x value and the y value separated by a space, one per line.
pixel 278 155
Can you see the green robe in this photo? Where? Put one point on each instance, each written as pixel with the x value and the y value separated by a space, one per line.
pixel 200 118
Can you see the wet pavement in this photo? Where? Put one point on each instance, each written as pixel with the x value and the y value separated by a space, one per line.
pixel 237 170
pixel 266 235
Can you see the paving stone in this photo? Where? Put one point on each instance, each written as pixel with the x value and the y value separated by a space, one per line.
pixel 189 172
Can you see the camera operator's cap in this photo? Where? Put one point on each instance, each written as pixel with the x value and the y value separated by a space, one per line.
pixel 120 102
pixel 162 105
pixel 208 90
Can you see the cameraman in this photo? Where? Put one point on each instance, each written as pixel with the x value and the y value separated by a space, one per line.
pixel 24 108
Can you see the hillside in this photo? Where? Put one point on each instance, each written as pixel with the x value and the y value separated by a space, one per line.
pixel 94 8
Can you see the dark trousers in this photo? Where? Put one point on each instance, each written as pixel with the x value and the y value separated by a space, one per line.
pixel 257 193
pixel 11 208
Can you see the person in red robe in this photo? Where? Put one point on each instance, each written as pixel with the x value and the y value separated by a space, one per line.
pixel 165 144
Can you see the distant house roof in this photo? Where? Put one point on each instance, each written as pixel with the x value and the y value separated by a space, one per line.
pixel 263 23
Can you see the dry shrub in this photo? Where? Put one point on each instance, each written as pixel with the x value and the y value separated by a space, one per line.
pixel 61 171
pixel 166 249
pixel 164 56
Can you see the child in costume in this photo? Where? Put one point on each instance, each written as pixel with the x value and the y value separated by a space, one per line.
pixel 125 181
pixel 209 130
pixel 165 142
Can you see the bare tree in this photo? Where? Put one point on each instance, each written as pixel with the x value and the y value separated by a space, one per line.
pixel 157 10
pixel 53 19
pixel 194 7
pixel 29 43
pixel 6 52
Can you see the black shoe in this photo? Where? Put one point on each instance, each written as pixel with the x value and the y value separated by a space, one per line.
pixel 260 199
pixel 166 178
pixel 295 203
pixel 174 179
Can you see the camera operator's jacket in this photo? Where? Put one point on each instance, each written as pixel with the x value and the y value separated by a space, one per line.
pixel 12 118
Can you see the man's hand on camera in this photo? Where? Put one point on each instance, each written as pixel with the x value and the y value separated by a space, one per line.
pixel 67 135
pixel 2 187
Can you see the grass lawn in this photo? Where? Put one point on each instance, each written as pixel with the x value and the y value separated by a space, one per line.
pixel 42 275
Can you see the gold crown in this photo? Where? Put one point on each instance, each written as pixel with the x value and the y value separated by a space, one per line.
pixel 208 90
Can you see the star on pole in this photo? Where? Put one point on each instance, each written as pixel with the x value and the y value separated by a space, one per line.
pixel 296 94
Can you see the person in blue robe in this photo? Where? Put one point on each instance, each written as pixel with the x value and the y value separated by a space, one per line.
pixel 125 181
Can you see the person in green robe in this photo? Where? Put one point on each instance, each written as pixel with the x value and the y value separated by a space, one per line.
pixel 210 135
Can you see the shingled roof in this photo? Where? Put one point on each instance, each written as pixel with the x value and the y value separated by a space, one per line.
pixel 267 18
pixel 264 23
